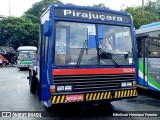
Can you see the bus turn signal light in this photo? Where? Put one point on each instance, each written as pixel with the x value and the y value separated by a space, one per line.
pixel 52 88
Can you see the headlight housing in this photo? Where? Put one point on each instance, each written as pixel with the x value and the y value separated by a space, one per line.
pixel 60 88
pixel 123 84
pixel 64 88
pixel 126 84
pixel 129 84
pixel 68 88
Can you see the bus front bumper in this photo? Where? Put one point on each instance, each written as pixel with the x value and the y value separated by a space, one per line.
pixel 93 96
pixel 24 65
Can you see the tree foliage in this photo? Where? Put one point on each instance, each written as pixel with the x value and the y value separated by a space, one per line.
pixel 153 7
pixel 140 19
pixel 32 18
pixel 18 31
pixel 38 8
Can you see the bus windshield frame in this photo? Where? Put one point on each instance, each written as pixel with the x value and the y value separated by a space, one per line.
pixel 79 44
pixel 26 55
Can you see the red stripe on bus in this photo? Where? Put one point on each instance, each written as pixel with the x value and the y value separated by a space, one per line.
pixel 91 71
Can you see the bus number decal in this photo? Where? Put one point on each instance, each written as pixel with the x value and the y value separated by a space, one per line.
pixel 129 70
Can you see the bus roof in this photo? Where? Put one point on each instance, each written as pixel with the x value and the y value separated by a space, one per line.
pixel 89 8
pixel 148 28
pixel 27 48
pixel 150 25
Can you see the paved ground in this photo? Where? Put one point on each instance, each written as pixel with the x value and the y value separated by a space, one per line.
pixel 15 96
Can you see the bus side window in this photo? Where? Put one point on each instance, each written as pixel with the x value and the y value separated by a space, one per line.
pixel 140 47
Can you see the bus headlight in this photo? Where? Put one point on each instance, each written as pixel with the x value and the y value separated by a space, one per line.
pixel 126 84
pixel 123 84
pixel 60 88
pixel 129 84
pixel 64 88
pixel 68 88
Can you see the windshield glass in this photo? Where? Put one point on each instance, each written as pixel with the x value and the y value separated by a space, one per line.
pixel 26 55
pixel 92 44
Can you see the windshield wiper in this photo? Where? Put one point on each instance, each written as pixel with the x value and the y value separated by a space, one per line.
pixel 81 53
pixel 108 56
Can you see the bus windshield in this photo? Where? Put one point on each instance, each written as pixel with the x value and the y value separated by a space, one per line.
pixel 26 55
pixel 92 44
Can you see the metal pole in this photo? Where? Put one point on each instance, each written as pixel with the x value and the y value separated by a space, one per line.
pixel 142 7
pixel 9 9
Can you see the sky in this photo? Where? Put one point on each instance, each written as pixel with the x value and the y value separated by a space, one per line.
pixel 18 7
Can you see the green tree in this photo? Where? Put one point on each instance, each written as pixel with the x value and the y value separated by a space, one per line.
pixel 32 18
pixel 153 7
pixel 38 8
pixel 139 19
pixel 18 31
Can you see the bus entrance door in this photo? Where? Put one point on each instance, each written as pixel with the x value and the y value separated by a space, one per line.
pixel 142 61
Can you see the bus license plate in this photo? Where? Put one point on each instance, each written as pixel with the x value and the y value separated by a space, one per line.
pixel 74 97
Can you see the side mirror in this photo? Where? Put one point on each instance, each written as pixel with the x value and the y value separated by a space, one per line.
pixel 46 28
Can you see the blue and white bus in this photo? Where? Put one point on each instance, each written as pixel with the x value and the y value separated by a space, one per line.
pixel 148 40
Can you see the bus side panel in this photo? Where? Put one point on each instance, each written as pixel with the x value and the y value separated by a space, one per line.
pixel 151 77
pixel 142 74
pixel 153 88
pixel 154 74
pixel 44 84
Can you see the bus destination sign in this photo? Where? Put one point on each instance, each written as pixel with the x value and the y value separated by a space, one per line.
pixel 91 15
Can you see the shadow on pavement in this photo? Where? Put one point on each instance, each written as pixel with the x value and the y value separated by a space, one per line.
pixel 149 93
pixel 72 111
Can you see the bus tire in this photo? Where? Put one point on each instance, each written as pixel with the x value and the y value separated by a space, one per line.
pixel 37 87
pixel 32 83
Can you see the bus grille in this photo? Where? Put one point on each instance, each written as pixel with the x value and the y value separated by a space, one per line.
pixel 90 83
